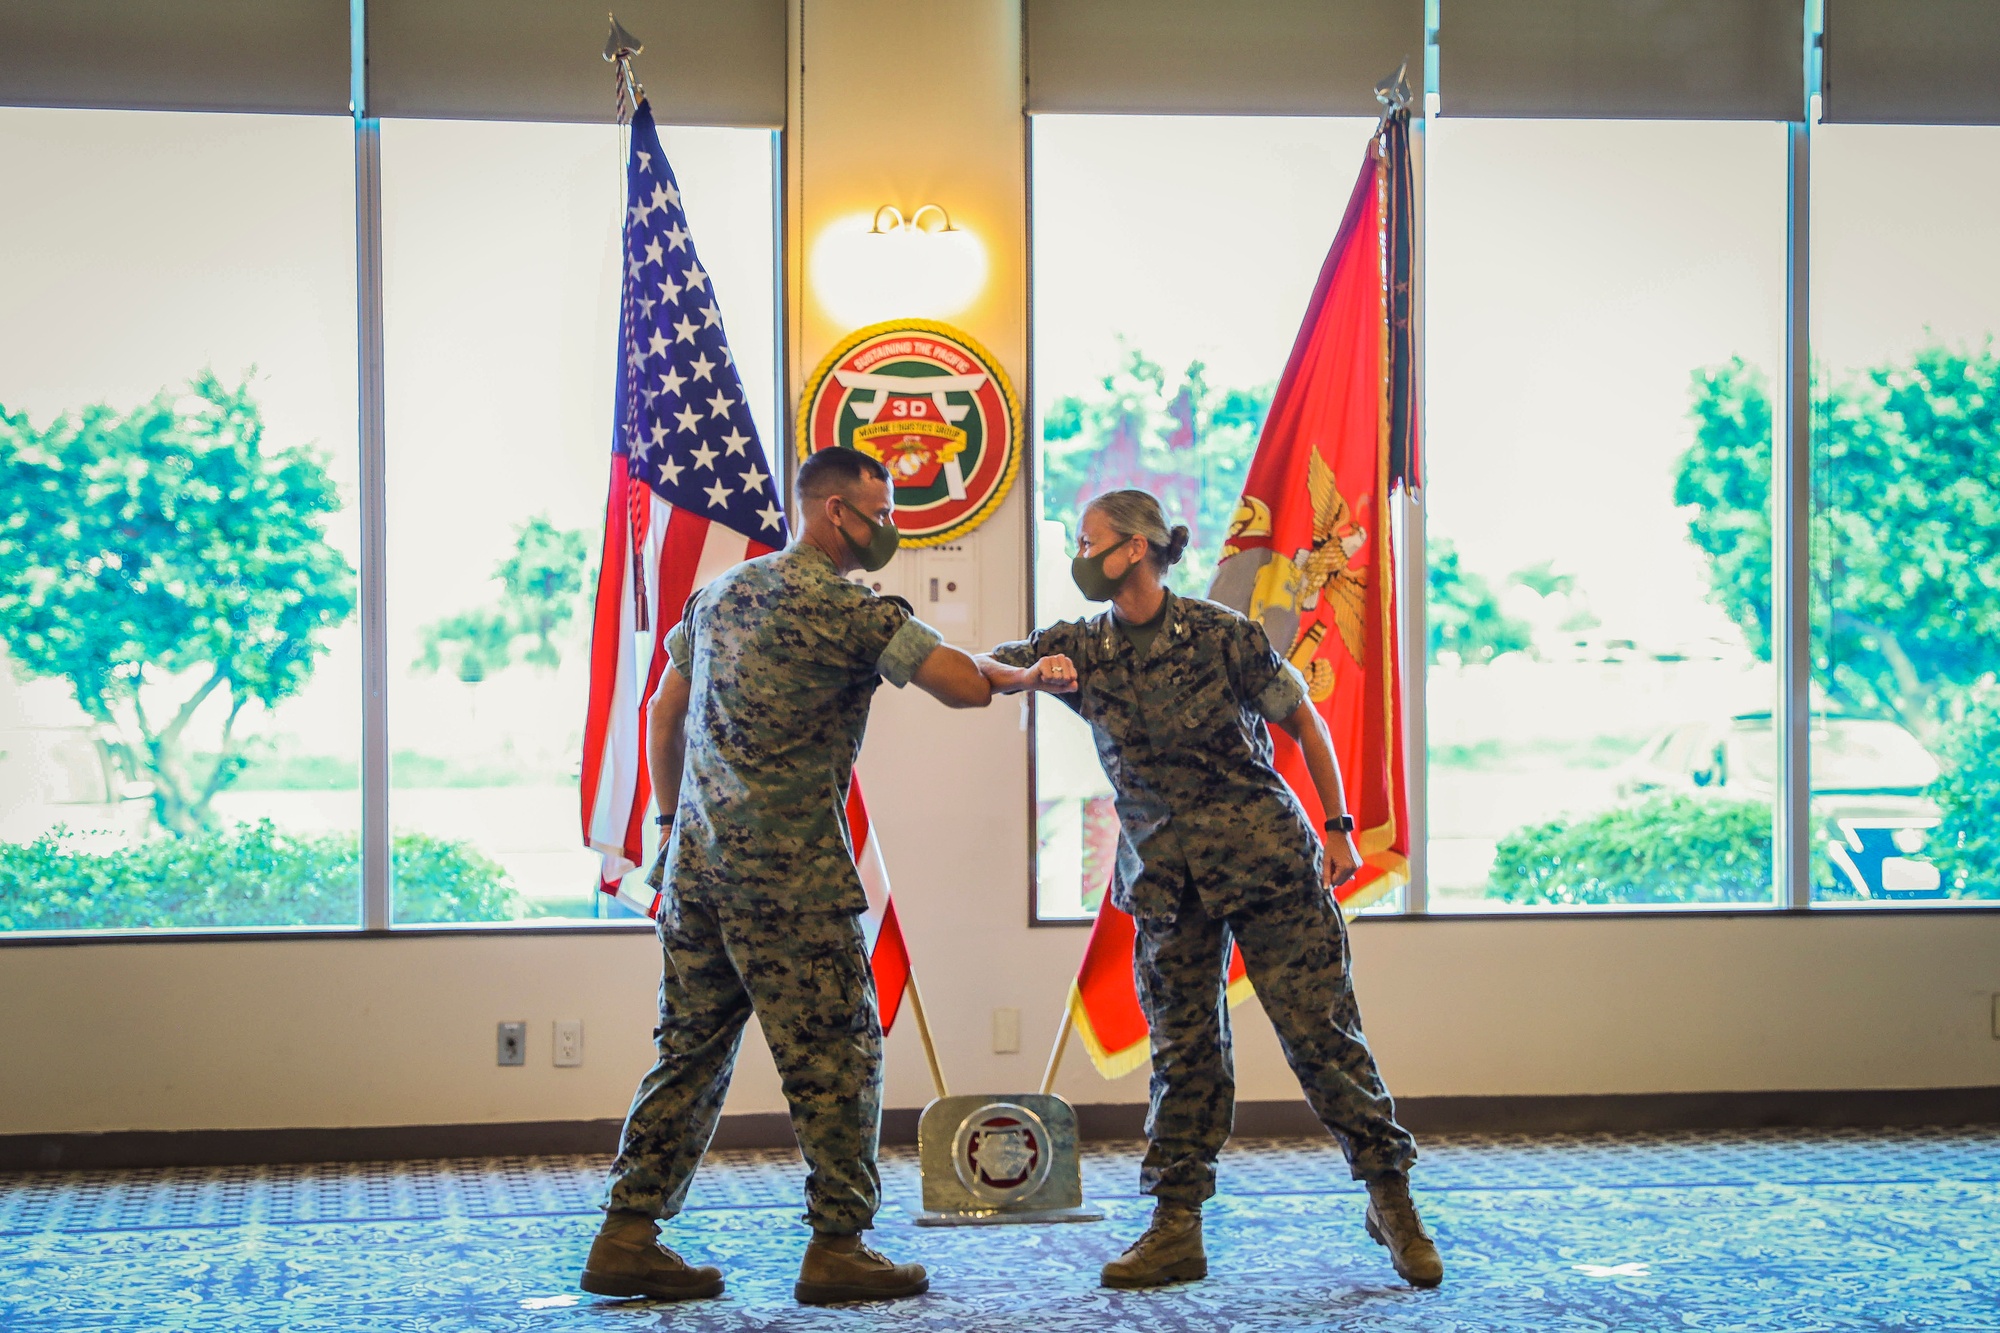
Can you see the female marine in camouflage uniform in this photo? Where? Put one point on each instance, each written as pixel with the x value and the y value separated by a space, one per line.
pixel 1214 848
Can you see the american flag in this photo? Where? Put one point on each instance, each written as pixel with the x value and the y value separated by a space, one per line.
pixel 692 493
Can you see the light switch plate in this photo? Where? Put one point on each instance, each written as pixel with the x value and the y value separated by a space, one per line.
pixel 1006 1031
pixel 513 1044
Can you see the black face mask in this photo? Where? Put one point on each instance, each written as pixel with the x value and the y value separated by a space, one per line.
pixel 880 548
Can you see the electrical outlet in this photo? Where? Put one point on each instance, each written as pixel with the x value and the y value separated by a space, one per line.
pixel 1006 1031
pixel 568 1043
pixel 513 1043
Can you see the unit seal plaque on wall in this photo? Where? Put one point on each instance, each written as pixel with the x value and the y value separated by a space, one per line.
pixel 934 407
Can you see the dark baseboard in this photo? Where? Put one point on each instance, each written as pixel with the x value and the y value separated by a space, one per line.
pixel 1854 1108
pixel 1873 1108
pixel 272 1147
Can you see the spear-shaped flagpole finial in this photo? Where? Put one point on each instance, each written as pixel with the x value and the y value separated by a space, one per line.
pixel 619 48
pixel 1394 92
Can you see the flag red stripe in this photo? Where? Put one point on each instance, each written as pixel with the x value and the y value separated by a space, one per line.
pixel 891 965
pixel 680 557
pixel 857 818
pixel 604 634
pixel 673 576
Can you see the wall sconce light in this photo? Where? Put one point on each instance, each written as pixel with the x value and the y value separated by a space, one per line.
pixel 866 268
pixel 915 222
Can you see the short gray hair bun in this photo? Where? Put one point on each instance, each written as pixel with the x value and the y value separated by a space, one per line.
pixel 1136 513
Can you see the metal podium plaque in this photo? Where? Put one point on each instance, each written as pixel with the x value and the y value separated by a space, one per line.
pixel 1002 1159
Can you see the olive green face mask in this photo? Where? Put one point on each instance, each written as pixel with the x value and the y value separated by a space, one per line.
pixel 1092 581
pixel 880 548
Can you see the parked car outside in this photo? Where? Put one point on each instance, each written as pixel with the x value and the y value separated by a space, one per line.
pixel 1869 779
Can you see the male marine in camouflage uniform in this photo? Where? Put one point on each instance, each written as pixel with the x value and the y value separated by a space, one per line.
pixel 1213 848
pixel 753 736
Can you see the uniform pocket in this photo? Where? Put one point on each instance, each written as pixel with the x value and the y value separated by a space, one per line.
pixel 839 987
pixel 1208 715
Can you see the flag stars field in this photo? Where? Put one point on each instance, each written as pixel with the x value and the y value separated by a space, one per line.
pixel 668 526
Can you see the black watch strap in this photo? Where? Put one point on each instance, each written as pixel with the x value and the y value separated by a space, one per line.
pixel 1340 824
pixel 663 820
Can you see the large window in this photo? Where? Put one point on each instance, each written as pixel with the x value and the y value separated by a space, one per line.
pixel 1605 315
pixel 1173 259
pixel 179 704
pixel 182 690
pixel 1905 738
pixel 501 300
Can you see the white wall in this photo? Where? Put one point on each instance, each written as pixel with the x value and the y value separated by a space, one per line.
pixel 257 1034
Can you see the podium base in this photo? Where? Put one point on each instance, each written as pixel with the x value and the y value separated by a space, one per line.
pixel 1002 1217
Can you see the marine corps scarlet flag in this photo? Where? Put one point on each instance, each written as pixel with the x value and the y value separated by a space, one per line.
pixel 1309 555
pixel 1309 551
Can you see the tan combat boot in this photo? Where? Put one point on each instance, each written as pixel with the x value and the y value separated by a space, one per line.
pixel 1394 1224
pixel 1170 1251
pixel 627 1259
pixel 841 1268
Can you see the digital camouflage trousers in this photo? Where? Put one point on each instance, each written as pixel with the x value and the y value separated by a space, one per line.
pixel 1295 949
pixel 806 976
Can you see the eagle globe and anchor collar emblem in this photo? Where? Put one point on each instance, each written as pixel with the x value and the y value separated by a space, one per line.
pixel 934 407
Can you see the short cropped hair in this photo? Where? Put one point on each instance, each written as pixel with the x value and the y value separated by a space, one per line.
pixel 829 471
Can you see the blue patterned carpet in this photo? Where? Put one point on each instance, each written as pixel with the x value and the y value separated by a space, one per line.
pixel 1757 1231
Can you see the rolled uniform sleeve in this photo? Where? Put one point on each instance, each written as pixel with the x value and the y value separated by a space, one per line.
pixel 1266 681
pixel 912 642
pixel 887 638
pixel 1282 697
pixel 678 651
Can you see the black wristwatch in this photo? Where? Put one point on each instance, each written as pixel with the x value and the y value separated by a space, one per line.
pixel 666 820
pixel 1340 824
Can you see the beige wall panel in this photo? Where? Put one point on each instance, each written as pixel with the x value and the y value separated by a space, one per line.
pixel 256 1034
pixel 909 102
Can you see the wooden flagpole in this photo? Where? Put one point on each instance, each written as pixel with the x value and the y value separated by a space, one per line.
pixel 924 1031
pixel 1056 1052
